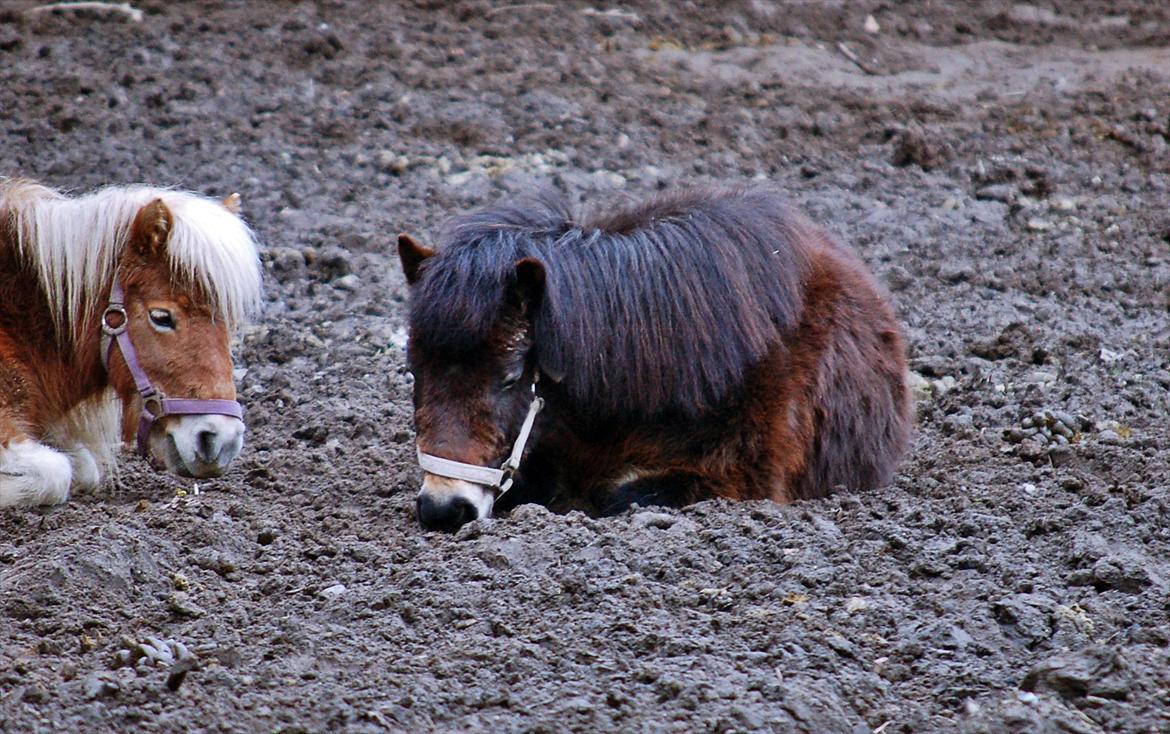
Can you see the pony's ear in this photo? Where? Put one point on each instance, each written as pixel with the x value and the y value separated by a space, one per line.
pixel 232 202
pixel 412 255
pixel 527 289
pixel 151 228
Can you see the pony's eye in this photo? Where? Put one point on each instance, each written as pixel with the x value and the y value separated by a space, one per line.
pixel 162 319
pixel 509 382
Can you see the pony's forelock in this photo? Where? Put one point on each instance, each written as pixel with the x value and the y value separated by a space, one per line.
pixel 74 245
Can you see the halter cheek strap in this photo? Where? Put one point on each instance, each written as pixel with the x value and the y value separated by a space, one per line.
pixel 155 404
pixel 497 479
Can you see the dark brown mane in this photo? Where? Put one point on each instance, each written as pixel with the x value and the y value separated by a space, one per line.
pixel 656 309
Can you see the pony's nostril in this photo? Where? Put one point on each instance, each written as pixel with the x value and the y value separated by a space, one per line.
pixel 448 515
pixel 207 446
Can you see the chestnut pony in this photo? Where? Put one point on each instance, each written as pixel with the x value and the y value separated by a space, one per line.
pixel 703 344
pixel 116 309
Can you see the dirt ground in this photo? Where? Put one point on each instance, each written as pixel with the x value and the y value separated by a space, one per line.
pixel 1004 167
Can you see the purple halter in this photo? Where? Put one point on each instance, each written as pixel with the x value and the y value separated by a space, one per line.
pixel 155 404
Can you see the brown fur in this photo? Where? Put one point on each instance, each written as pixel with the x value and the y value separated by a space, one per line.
pixel 41 381
pixel 824 405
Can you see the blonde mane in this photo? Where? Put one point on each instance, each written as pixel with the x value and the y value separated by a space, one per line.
pixel 74 245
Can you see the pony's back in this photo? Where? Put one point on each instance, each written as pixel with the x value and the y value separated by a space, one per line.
pixel 651 311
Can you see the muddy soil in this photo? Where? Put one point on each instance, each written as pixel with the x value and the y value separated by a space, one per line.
pixel 1004 167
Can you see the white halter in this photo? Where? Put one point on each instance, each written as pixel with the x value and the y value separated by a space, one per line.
pixel 498 479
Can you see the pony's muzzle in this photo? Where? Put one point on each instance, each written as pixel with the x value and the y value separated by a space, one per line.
pixel 449 504
pixel 199 446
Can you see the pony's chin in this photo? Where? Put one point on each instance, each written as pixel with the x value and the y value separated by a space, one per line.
pixel 198 446
pixel 448 504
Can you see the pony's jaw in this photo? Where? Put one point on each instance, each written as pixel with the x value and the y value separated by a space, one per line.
pixel 447 504
pixel 198 446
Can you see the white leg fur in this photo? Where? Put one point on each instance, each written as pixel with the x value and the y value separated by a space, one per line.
pixel 33 474
pixel 87 475
pixel 90 435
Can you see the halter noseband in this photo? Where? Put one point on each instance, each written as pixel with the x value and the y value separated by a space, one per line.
pixel 155 404
pixel 498 479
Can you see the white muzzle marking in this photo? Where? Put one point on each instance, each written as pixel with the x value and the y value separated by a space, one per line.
pixel 444 491
pixel 197 445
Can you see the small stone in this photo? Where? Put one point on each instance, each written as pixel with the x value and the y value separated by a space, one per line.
pixel 958 422
pixel 286 259
pixel 1041 377
pixel 385 158
pixel 871 25
pixel 399 165
pixel 919 386
pixel 1123 571
pixel 1109 437
pixel 334 262
pixel 10 39
pixel 1005 193
pixel 914 146
pixel 180 603
pixel 1039 225
pixel 943 385
pixel 898 278
pixel 334 591
pixel 349 282
pixel 97 686
pixel 1064 419
pixel 1108 356
pixel 178 671
pixel 160 651
pixel 659 520
pixel 956 271
pixel 474 529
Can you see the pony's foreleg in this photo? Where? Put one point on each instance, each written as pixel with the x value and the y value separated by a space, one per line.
pixel 87 474
pixel 669 489
pixel 33 474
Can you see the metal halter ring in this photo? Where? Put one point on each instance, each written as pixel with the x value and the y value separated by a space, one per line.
pixel 154 405
pixel 114 308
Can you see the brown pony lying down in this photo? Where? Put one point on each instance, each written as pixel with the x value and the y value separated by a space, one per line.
pixel 702 344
